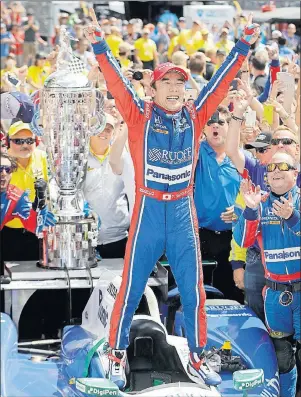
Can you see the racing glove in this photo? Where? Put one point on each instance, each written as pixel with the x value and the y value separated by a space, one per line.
pixel 40 186
pixel 23 207
pixel 89 213
pixel 45 219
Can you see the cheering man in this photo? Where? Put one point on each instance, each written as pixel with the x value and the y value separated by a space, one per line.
pixel 164 138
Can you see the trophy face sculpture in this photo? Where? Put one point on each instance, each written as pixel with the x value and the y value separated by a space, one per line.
pixel 71 113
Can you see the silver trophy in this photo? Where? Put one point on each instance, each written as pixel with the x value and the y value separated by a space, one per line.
pixel 71 111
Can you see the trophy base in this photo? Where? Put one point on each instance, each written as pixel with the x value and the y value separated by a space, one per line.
pixel 59 265
pixel 69 245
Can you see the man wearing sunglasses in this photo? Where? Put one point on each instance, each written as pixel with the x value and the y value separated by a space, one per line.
pixel 286 141
pixel 251 278
pixel 15 203
pixel 216 187
pixel 31 166
pixel 274 220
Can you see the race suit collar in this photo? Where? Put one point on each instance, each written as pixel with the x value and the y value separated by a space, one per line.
pixel 166 112
pixel 293 190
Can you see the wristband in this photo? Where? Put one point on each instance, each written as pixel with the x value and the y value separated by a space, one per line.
pixel 237 118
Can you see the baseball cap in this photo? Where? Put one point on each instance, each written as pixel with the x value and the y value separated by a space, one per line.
pixel 18 126
pixel 164 68
pixel 125 46
pixel 41 55
pixel 64 13
pixel 224 30
pixel 262 140
pixel 175 31
pixel 221 52
pixel 205 31
pixel 16 105
pixel 110 120
pixel 182 19
pixel 197 21
pixel 276 34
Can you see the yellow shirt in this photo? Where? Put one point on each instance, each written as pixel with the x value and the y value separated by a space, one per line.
pixel 114 42
pixel 13 72
pixel 207 45
pixel 146 49
pixel 100 157
pixel 173 43
pixel 125 63
pixel 38 75
pixel 191 42
pixel 226 46
pixel 238 253
pixel 140 91
pixel 24 178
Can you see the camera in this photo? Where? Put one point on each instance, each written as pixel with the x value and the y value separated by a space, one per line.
pixel 137 75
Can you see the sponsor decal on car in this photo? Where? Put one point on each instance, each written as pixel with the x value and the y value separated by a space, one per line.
pixel 105 392
pixel 272 387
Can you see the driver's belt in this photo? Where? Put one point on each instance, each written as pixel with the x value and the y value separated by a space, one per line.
pixel 165 196
pixel 293 287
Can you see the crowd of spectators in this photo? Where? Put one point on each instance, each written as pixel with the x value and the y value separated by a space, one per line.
pixel 266 122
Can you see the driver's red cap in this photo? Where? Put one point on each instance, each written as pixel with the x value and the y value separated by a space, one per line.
pixel 164 68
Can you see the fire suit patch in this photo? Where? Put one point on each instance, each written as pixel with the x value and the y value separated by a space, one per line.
pixel 168 157
pixel 165 132
pixel 164 175
pixel 289 254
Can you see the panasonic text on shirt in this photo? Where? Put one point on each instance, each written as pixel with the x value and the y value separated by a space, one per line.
pixel 164 175
pixel 289 254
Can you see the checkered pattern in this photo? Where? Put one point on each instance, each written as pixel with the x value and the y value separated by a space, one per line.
pixel 76 65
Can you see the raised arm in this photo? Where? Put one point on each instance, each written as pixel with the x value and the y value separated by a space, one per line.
pixel 215 91
pixel 274 69
pixel 127 101
pixel 232 149
pixel 253 102
pixel 115 159
pixel 246 230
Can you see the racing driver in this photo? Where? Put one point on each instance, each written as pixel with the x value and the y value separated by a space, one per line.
pixel 274 220
pixel 164 138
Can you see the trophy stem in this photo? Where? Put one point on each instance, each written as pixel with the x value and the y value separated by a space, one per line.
pixel 69 205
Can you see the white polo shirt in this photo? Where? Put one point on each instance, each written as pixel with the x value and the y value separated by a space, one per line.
pixel 106 194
